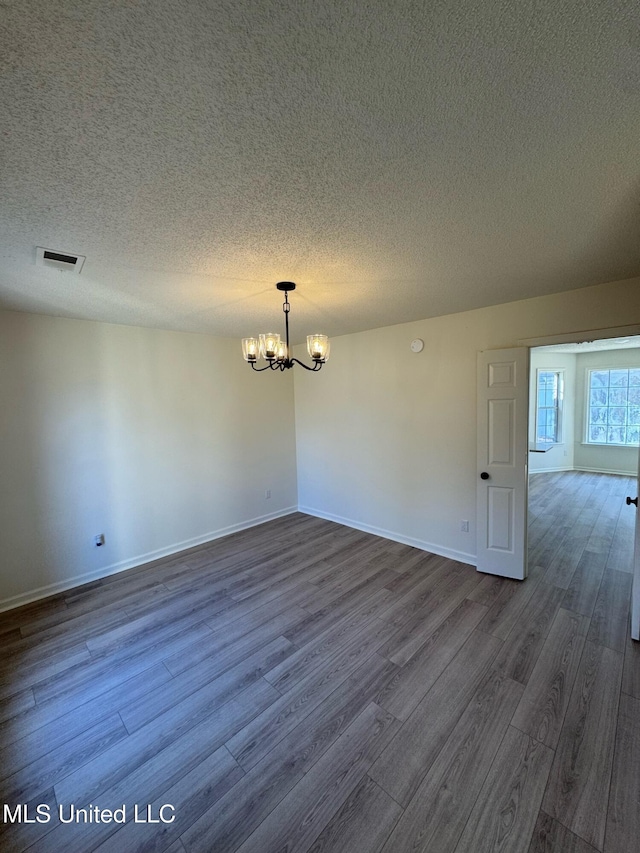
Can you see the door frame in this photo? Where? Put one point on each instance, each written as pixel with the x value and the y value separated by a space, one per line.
pixel 582 336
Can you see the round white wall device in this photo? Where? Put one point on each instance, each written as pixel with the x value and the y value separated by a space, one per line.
pixel 417 345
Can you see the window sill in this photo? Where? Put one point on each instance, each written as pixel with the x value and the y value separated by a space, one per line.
pixel 548 444
pixel 604 444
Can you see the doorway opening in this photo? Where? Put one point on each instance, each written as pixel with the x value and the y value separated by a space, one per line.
pixel 584 429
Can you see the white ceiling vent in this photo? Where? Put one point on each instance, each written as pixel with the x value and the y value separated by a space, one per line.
pixel 57 260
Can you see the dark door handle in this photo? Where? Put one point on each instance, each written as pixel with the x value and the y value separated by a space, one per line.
pixel 484 476
pixel 632 501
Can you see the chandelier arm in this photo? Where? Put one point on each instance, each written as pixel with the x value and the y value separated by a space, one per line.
pixel 317 365
pixel 258 369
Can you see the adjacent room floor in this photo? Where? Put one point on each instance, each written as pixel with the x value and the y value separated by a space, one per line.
pixel 302 686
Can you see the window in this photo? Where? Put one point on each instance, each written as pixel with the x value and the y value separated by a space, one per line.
pixel 550 384
pixel 614 407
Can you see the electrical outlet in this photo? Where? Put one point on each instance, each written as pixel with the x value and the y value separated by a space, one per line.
pixel 98 540
pixel 267 494
pixel 464 526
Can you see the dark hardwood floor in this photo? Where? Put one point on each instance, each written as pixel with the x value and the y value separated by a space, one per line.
pixel 302 686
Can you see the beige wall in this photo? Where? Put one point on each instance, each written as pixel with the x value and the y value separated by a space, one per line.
pixel 387 438
pixel 159 440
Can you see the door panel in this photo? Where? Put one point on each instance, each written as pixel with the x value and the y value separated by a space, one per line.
pixel 501 432
pixel 503 401
pixel 500 518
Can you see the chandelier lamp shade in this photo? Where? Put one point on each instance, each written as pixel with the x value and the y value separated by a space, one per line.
pixel 276 352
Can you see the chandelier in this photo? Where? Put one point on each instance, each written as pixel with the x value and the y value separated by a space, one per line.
pixel 276 351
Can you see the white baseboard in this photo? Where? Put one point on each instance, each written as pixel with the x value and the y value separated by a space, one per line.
pixel 582 468
pixel 550 470
pixel 440 550
pixel 605 471
pixel 134 562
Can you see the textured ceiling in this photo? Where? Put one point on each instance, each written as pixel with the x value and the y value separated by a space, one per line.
pixel 397 160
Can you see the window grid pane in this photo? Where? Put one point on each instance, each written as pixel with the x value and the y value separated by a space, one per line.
pixel 549 396
pixel 614 407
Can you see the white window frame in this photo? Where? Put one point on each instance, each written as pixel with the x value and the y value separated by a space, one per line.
pixel 559 407
pixel 587 406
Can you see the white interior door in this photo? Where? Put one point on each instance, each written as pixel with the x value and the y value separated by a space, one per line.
pixel 635 593
pixel 503 405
